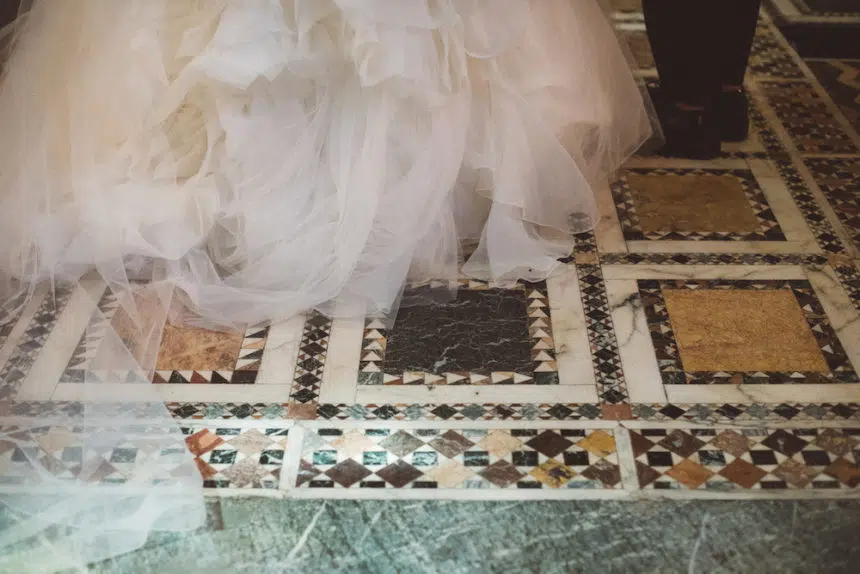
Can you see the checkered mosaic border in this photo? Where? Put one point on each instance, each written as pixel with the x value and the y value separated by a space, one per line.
pixel 545 371
pixel 313 352
pixel 749 459
pixel 464 459
pixel 31 450
pixel 807 118
pixel 27 348
pixel 672 370
pixel 625 202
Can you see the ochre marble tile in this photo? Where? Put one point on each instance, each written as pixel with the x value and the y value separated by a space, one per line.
pixel 190 349
pixel 743 330
pixel 695 203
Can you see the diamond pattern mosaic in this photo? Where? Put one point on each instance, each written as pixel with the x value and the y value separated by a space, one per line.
pixel 750 459
pixel 230 457
pixel 489 459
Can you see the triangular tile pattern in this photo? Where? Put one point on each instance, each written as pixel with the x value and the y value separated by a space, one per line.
pixel 747 459
pixel 28 346
pixel 545 370
pixel 770 59
pixel 381 457
pixel 626 206
pixel 311 360
pixel 78 369
pixel 244 373
pixel 234 457
pixel 807 118
pixel 606 360
pixel 839 180
pixel 669 358
pixel 26 453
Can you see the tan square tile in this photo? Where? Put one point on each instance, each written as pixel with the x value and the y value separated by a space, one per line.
pixel 598 443
pixel 743 473
pixel 690 474
pixel 190 349
pixel 353 443
pixel 450 475
pixel 694 203
pixel 742 330
pixel 553 474
pixel 500 443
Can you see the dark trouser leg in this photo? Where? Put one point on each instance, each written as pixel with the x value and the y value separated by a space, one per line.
pixel 683 40
pixel 738 19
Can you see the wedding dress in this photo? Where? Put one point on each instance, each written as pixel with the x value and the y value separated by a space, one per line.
pixel 236 162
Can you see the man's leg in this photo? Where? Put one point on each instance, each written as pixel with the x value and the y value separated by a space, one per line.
pixel 683 39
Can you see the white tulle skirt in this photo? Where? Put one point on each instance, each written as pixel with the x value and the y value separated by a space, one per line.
pixel 235 162
pixel 272 156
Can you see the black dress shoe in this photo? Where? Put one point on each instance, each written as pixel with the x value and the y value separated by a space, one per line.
pixel 692 134
pixel 733 111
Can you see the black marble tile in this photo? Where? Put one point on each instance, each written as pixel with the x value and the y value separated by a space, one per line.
pixel 481 331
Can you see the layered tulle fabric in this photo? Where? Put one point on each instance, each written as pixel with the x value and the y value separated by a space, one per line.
pixel 236 162
pixel 272 156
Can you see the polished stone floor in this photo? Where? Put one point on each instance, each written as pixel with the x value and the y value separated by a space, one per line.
pixel 254 535
pixel 701 345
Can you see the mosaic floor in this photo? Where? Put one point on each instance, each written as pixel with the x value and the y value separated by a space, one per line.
pixel 702 342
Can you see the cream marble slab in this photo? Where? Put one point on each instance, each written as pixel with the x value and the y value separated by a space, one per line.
pixel 51 363
pixel 190 393
pixel 763 247
pixel 736 272
pixel 656 162
pixel 745 394
pixel 340 377
pixel 281 352
pixel 21 324
pixel 381 394
pixel 608 232
pixel 638 359
pixel 572 349
pixel 464 424
pixel 840 310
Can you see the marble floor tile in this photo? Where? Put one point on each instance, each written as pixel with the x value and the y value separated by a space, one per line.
pixel 786 337
pixel 839 179
pixel 690 207
pixel 719 460
pixel 236 457
pixel 441 459
pixel 481 344
pixel 814 124
pixel 840 79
